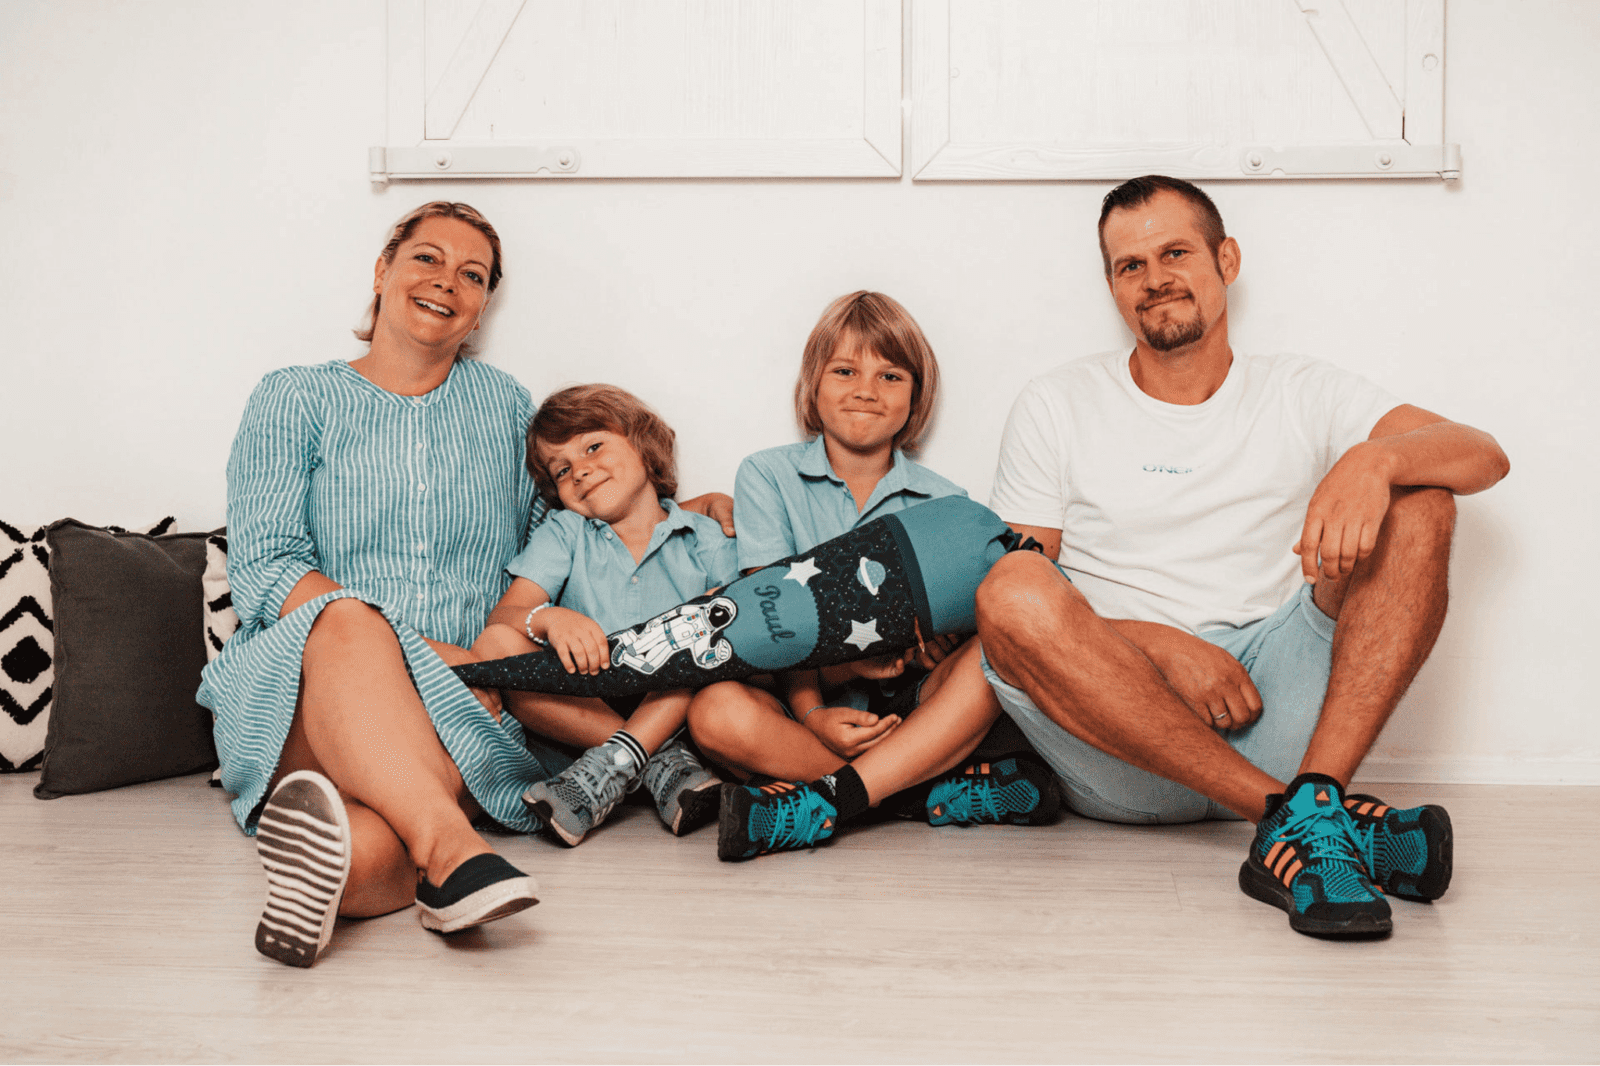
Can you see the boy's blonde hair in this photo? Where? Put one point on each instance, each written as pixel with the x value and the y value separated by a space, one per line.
pixel 586 408
pixel 874 321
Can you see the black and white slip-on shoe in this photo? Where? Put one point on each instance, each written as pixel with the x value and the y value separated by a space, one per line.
pixel 303 838
pixel 483 888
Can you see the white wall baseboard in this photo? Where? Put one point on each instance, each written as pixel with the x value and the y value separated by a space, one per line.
pixel 1479 770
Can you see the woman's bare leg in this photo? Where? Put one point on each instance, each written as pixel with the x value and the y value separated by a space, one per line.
pixel 363 725
pixel 382 876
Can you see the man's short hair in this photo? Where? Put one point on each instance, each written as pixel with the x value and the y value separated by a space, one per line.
pixel 1137 192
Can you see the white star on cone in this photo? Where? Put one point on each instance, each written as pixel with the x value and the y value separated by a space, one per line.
pixel 803 571
pixel 863 633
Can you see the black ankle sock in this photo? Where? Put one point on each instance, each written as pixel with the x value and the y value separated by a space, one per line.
pixel 845 790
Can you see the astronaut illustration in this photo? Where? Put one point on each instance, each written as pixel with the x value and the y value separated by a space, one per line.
pixel 692 627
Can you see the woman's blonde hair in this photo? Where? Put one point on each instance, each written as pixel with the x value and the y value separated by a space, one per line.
pixel 876 322
pixel 407 227
pixel 586 408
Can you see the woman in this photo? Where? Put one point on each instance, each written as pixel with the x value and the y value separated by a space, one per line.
pixel 371 508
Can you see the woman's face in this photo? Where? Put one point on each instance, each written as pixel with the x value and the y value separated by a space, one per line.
pixel 435 290
pixel 863 399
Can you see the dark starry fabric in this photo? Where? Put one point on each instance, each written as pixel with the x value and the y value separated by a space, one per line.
pixel 866 603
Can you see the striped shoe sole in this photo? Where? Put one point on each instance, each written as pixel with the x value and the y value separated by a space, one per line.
pixel 303 839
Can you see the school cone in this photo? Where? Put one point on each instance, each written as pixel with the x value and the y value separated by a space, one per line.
pixel 869 592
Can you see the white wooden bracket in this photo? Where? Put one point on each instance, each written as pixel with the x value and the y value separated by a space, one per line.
pixel 1398 160
pixel 471 161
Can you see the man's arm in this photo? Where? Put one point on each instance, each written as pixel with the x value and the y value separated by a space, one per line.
pixel 1408 448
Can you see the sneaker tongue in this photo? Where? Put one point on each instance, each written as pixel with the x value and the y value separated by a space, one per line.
pixel 1318 789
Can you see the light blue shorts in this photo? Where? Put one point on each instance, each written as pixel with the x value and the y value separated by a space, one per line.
pixel 1287 655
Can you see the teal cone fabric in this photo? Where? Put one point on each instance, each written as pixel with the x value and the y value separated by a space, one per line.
pixel 866 593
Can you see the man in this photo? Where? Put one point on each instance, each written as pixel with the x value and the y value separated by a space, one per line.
pixel 1185 670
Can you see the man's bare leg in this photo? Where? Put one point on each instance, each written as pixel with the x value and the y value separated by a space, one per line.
pixel 1389 613
pixel 1041 635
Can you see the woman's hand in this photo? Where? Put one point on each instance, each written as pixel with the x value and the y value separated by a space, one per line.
pixel 576 638
pixel 846 731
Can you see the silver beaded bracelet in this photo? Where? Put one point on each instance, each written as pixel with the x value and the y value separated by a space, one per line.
pixel 527 625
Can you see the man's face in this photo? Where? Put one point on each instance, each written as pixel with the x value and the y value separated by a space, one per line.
pixel 1168 287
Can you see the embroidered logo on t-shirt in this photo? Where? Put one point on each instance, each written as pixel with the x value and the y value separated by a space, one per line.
pixel 1162 468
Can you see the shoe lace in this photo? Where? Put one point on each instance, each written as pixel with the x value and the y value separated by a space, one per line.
pixel 590 774
pixel 1365 835
pixel 975 798
pixel 668 765
pixel 792 818
pixel 1327 834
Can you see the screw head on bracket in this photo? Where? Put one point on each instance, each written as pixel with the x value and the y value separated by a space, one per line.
pixel 1254 161
pixel 442 161
pixel 1384 160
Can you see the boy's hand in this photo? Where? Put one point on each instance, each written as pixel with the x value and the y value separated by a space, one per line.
pixel 576 638
pixel 933 652
pixel 880 668
pixel 848 732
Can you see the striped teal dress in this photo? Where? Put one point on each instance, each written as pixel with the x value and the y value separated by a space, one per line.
pixel 414 504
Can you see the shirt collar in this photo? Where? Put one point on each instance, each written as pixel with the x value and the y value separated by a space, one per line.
pixel 677 520
pixel 814 461
pixel 903 476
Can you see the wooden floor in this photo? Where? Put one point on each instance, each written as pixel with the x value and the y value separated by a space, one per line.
pixel 127 919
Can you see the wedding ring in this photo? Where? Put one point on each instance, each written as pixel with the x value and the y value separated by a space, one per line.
pixel 1219 717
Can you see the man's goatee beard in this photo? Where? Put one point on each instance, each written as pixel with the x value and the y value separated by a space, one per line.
pixel 1174 335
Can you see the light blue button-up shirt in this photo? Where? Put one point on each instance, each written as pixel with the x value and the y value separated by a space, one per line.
pixel 788 499
pixel 584 566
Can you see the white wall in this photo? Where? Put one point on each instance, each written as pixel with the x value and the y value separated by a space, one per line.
pixel 184 205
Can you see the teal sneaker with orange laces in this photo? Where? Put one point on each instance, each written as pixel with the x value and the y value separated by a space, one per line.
pixel 1012 791
pixel 781 816
pixel 1307 859
pixel 1409 853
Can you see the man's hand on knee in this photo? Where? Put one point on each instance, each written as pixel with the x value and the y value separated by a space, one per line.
pixel 1213 684
pixel 1344 516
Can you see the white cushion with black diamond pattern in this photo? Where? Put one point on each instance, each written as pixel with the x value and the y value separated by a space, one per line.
pixel 27 646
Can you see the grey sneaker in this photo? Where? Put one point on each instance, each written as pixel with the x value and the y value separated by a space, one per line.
pixel 581 796
pixel 686 793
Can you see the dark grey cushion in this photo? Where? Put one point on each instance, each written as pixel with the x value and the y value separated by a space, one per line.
pixel 129 650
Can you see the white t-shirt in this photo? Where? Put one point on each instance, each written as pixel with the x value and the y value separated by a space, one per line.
pixel 1180 514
